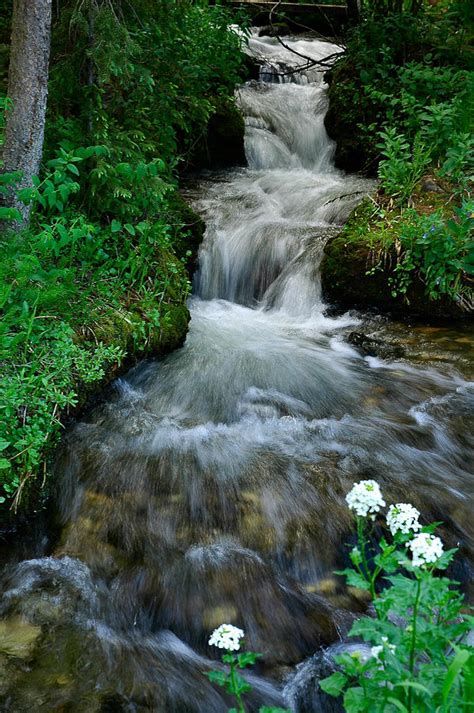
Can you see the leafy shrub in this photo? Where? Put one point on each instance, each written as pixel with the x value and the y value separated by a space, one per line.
pixel 402 72
pixel 97 274
pixel 439 249
pixel 402 165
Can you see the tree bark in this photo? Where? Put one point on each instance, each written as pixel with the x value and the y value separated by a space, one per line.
pixel 28 91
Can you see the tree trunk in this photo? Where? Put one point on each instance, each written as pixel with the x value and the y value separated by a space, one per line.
pixel 28 91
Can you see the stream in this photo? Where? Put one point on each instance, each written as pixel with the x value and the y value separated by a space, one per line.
pixel 210 487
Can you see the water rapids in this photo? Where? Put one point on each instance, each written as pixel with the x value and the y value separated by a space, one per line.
pixel 210 487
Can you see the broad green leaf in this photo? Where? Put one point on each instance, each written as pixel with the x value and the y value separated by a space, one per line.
pixel 218 677
pixel 334 684
pixel 247 659
pixel 355 701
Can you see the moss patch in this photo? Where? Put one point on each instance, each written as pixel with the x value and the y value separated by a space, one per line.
pixel 359 264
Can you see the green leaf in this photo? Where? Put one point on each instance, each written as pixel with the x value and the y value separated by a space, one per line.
pixel 3 444
pixel 355 702
pixel 5 464
pixel 247 659
pixel 398 704
pixel 73 169
pixel 456 666
pixel 218 677
pixel 129 228
pixel 9 214
pixel 116 226
pixel 417 686
pixel 334 684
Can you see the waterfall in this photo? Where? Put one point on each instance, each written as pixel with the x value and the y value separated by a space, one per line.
pixel 210 487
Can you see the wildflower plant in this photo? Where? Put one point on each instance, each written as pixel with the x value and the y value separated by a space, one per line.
pixel 229 638
pixel 420 658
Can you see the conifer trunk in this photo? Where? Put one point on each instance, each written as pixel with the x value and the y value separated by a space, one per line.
pixel 28 91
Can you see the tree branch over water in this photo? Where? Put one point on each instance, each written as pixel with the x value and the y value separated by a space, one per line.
pixel 325 62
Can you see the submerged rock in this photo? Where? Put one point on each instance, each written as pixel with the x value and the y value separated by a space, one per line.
pixel 18 637
pixel 370 346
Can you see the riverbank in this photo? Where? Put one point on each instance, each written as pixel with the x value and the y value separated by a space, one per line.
pixel 400 110
pixel 100 277
pixel 370 264
pixel 85 328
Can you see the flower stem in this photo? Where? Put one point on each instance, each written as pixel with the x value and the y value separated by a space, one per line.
pixel 362 544
pixel 235 689
pixel 413 638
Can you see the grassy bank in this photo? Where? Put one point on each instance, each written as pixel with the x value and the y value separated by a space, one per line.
pixel 413 261
pixel 101 275
pixel 406 83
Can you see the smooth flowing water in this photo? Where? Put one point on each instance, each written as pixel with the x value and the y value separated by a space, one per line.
pixel 210 487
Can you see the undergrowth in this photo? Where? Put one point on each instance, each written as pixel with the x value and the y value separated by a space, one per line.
pixel 99 278
pixel 406 82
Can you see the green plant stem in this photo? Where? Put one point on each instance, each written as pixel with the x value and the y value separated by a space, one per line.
pixel 362 542
pixel 235 688
pixel 413 638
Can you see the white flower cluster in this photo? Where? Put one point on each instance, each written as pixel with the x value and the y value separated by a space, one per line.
pixel 365 498
pixel 404 518
pixel 425 548
pixel 226 637
pixel 375 651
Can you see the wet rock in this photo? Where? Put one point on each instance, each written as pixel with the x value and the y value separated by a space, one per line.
pixel 18 637
pixel 303 693
pixel 370 346
pixel 226 577
pixel 223 143
pixel 277 29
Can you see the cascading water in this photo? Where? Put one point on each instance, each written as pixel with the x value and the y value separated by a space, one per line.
pixel 210 488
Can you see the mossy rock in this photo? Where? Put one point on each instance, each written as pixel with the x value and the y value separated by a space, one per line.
pixel 356 273
pixel 353 152
pixel 222 145
pixel 190 235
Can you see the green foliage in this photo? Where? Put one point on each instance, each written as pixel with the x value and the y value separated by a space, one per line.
pixel 57 280
pixel 419 660
pixel 439 249
pixel 407 82
pixel 402 165
pixel 100 273
pixel 235 684
pixel 411 74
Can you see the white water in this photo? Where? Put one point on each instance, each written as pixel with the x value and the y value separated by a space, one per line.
pixel 211 488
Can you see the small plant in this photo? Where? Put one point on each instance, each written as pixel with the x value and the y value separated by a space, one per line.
pixel 229 638
pixel 419 658
pixel 403 164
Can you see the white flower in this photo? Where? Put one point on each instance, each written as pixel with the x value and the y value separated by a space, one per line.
pixel 375 651
pixel 365 498
pixel 403 517
pixel 426 549
pixel 226 637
